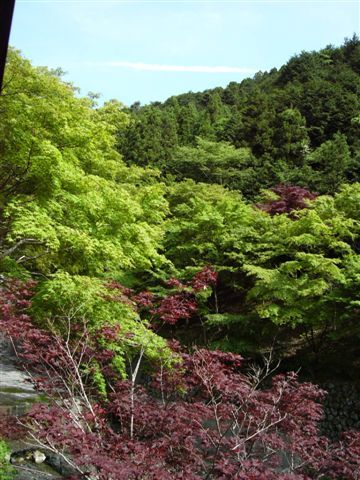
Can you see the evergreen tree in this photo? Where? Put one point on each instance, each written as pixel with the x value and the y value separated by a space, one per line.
pixel 291 138
pixel 330 162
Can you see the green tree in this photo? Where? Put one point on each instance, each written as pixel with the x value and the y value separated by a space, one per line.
pixel 208 224
pixel 291 138
pixel 75 215
pixel 91 304
pixel 258 119
pixel 150 138
pixel 214 107
pixel 215 162
pixel 233 130
pixel 305 264
pixel 330 162
pixel 187 120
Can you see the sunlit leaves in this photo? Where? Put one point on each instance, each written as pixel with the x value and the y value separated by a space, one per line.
pixel 69 188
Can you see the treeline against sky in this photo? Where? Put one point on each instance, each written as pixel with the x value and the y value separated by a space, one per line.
pixel 298 124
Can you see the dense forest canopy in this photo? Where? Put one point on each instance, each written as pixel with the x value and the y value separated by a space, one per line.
pixel 298 124
pixel 91 194
pixel 227 219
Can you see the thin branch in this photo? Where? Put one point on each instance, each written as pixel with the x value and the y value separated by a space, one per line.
pixel 20 243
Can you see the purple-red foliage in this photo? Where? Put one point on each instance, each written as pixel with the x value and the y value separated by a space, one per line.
pixel 175 307
pixel 204 418
pixel 291 197
pixel 175 283
pixel 179 304
pixel 10 428
pixel 51 360
pixel 206 278
pixel 144 299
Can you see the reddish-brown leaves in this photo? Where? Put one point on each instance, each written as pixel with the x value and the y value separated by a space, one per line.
pixel 204 418
pixel 291 197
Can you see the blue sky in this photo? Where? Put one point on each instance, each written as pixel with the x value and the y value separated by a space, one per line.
pixel 149 50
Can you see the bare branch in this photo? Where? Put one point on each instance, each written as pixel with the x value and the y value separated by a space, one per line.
pixel 20 243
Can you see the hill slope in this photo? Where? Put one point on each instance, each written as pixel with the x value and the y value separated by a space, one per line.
pixel 299 124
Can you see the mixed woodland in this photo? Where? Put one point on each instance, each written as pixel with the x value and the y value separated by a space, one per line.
pixel 166 268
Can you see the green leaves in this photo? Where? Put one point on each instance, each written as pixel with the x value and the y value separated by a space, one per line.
pixel 307 264
pixel 208 224
pixel 330 162
pixel 7 472
pixel 72 212
pixel 72 193
pixel 214 162
pixel 286 270
pixel 81 301
pixel 294 290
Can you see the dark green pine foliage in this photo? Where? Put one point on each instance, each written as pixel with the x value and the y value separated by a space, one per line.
pixel 291 137
pixel 232 130
pixel 149 138
pixel 330 162
pixel 259 118
pixel 188 124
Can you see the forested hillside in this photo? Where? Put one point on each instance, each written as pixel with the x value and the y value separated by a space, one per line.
pixel 298 124
pixel 149 255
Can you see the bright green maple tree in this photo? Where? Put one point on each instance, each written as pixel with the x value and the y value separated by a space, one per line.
pixel 72 213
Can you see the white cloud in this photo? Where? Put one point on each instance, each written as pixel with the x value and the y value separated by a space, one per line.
pixel 154 67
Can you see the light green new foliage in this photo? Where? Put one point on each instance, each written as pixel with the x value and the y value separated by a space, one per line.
pixel 308 262
pixel 210 225
pixel 299 269
pixel 97 226
pixel 295 291
pixel 72 212
pixel 86 301
pixel 214 162
pixel 88 211
pixel 7 472
pixel 347 201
